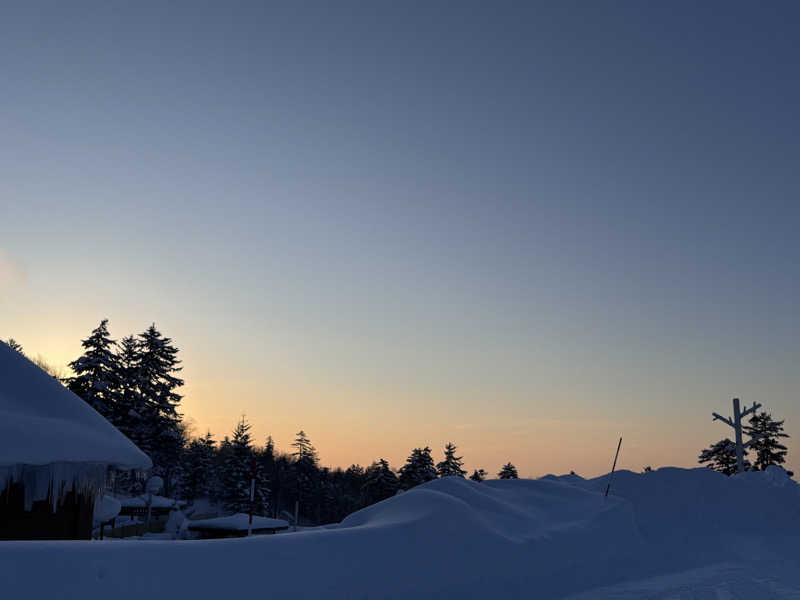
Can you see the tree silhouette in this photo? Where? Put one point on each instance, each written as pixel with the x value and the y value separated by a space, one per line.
pixel 508 471
pixel 451 465
pixel 768 449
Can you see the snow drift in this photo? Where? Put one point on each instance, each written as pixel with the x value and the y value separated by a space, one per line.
pixel 453 538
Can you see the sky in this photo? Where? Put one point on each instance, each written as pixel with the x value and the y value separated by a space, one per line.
pixel 527 228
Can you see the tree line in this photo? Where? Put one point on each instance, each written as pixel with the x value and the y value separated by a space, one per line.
pixel 134 383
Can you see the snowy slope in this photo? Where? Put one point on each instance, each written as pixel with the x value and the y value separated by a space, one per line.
pixel 42 422
pixel 672 533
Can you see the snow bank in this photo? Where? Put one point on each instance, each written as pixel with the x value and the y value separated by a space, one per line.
pixel 454 538
pixel 42 422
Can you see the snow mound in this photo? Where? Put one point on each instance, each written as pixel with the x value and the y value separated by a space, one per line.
pixel 106 508
pixel 42 422
pixel 453 538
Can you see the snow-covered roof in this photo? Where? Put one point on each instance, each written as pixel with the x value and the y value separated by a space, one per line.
pixel 42 422
pixel 238 522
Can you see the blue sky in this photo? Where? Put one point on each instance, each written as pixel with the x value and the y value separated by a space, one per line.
pixel 513 225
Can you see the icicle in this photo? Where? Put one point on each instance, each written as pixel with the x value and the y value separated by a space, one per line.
pixel 54 481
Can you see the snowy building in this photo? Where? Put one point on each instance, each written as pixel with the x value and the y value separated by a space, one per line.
pixel 55 451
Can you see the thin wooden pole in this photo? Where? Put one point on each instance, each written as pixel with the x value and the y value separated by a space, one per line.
pixel 614 466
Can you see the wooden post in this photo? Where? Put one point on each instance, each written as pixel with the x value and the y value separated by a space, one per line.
pixel 737 419
pixel 252 494
pixel 149 510
pixel 296 512
pixel 613 467
pixel 736 423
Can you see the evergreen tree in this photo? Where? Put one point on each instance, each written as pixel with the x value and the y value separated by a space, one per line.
pixel 198 468
pixel 96 377
pixel 768 449
pixel 478 475
pixel 353 481
pixel 721 457
pixel 451 465
pixel 508 471
pixel 381 483
pixel 418 468
pixel 269 448
pixel 238 468
pixel 14 345
pixel 306 476
pixel 160 421
pixel 304 451
pixel 283 485
pixel 267 456
pixel 129 409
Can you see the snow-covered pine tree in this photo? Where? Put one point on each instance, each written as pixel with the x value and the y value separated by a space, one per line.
pixel 130 407
pixel 451 465
pixel 197 468
pixel 14 345
pixel 381 483
pixel 306 473
pixel 239 461
pixel 354 478
pixel 129 411
pixel 156 367
pixel 768 449
pixel 721 457
pixel 418 469
pixel 96 372
pixel 478 475
pixel 508 471
pixel 220 461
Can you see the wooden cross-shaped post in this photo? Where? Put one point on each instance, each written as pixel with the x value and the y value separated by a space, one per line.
pixel 736 423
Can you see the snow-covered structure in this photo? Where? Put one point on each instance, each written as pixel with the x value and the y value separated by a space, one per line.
pixel 236 526
pixel 55 451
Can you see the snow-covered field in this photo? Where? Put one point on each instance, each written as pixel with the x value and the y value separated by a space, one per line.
pixel 672 533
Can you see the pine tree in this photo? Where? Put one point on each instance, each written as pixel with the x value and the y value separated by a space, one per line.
pixel 304 451
pixel 721 457
pixel 478 475
pixel 306 475
pixel 418 468
pixel 130 408
pixel 451 465
pixel 198 469
pixel 381 483
pixel 508 471
pixel 155 370
pixel 269 448
pixel 768 449
pixel 238 468
pixel 96 372
pixel 14 345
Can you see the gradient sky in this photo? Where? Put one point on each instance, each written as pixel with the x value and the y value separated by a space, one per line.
pixel 528 228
